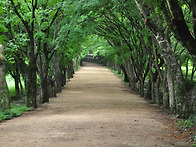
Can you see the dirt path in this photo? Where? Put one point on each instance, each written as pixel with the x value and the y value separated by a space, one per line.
pixel 94 110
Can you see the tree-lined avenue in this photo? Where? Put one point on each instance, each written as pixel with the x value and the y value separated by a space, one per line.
pixel 95 109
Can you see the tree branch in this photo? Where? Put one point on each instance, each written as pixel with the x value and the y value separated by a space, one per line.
pixel 20 17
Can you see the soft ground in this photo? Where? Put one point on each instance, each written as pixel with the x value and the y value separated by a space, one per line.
pixel 96 109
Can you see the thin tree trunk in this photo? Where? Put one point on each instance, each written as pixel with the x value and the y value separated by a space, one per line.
pixel 171 91
pixel 17 79
pixel 152 86
pixel 165 90
pixel 187 68
pixel 130 72
pixel 44 88
pixel 21 87
pixel 141 86
pixel 17 89
pixel 70 70
pixel 126 78
pixel 32 77
pixel 193 72
pixel 157 85
pixel 60 81
pixel 4 96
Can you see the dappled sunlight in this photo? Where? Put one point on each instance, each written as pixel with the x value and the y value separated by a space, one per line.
pixel 94 107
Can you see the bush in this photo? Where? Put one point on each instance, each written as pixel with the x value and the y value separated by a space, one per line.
pixel 16 110
pixel 187 125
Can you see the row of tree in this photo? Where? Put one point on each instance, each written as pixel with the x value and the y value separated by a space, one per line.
pixel 41 40
pixel 149 41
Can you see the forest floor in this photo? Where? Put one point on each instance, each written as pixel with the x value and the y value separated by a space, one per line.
pixel 96 109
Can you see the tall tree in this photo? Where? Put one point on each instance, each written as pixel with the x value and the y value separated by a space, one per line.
pixel 4 99
pixel 178 101
pixel 29 24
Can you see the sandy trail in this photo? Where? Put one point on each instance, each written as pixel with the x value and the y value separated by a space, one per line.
pixel 94 110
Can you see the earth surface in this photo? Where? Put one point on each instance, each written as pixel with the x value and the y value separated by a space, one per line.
pixel 95 109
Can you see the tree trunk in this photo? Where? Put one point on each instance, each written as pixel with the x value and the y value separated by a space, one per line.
pixel 21 87
pixel 63 76
pixel 176 75
pixel 193 72
pixel 157 85
pixel 43 75
pixel 32 76
pixel 32 84
pixel 44 81
pixel 168 56
pixel 17 79
pixel 17 89
pixel 57 73
pixel 141 85
pixel 44 88
pixel 24 73
pixel 4 96
pixel 130 72
pixel 171 91
pixel 187 68
pixel 165 91
pixel 152 87
pixel 70 70
pixel 126 78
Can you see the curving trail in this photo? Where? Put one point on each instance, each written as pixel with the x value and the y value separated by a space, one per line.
pixel 94 110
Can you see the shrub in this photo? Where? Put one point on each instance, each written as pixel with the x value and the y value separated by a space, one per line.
pixel 16 110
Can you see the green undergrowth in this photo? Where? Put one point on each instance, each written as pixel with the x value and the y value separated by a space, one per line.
pixel 189 125
pixel 16 110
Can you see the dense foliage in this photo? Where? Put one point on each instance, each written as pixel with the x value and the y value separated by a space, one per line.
pixel 152 43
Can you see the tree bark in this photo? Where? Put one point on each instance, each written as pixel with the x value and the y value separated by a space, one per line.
pixel 4 96
pixel 32 76
pixel 178 24
pixel 126 78
pixel 70 70
pixel 157 86
pixel 171 91
pixel 17 79
pixel 130 72
pixel 169 58
pixel 60 79
pixel 44 88
pixel 165 90
pixel 31 88
pixel 193 72
pixel 152 85
pixel 21 87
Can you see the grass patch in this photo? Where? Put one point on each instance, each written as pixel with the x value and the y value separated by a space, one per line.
pixel 189 125
pixel 16 110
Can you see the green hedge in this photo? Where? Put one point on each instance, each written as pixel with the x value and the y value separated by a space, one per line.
pixel 16 110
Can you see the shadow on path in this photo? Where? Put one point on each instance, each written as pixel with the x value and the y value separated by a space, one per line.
pixel 95 109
